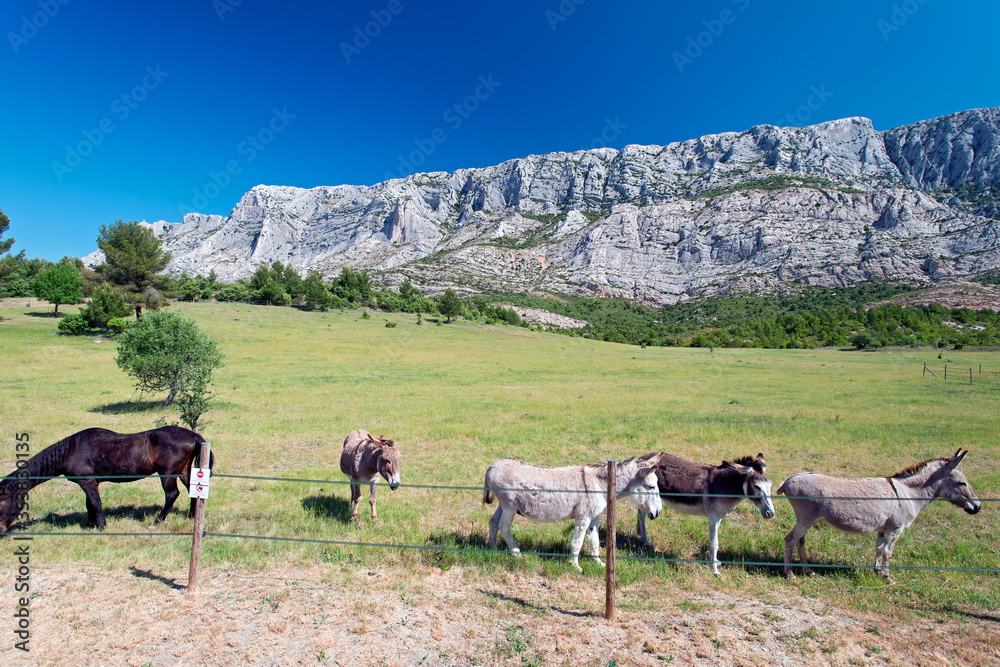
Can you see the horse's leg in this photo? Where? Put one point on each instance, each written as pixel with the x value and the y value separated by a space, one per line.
pixel 713 541
pixel 594 541
pixel 581 526
pixel 494 527
pixel 95 512
pixel 506 520
pixel 371 499
pixel 170 495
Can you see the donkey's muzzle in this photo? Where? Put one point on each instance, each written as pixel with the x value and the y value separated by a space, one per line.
pixel 767 514
pixel 972 508
pixel 652 515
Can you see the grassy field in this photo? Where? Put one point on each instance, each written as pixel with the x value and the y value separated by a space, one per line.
pixel 457 397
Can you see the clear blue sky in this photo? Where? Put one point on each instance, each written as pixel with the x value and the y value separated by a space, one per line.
pixel 188 88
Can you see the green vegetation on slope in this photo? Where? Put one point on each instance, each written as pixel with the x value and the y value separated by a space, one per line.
pixel 811 317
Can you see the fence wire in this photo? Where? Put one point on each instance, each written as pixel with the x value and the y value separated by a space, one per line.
pixel 474 550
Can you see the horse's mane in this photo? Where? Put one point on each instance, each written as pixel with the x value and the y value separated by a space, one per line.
pixel 46 463
pixel 912 470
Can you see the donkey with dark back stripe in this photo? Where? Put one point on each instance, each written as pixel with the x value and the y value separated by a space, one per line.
pixel 363 459
pixel 883 505
pixel 711 491
pixel 98 455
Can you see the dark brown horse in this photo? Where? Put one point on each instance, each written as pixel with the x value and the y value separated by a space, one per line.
pixel 98 455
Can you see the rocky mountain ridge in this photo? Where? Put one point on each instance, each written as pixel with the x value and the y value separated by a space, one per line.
pixel 833 204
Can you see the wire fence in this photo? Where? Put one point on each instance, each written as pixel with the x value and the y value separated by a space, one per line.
pixel 475 550
pixel 961 373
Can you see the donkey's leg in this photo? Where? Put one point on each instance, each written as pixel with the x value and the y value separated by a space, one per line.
pixel 640 527
pixel 170 495
pixel 95 512
pixel 890 546
pixel 713 541
pixel 506 519
pixel 494 527
pixel 797 536
pixel 594 541
pixel 371 500
pixel 581 526
pixel 355 499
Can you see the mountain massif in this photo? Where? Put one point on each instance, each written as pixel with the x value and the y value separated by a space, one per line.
pixel 831 204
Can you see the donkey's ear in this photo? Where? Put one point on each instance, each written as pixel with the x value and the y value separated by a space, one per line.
pixel 955 460
pixel 386 442
pixel 738 467
pixel 759 464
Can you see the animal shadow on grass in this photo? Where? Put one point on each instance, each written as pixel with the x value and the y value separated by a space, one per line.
pixel 552 550
pixel 330 507
pixel 147 574
pixel 144 515
pixel 46 314
pixel 126 407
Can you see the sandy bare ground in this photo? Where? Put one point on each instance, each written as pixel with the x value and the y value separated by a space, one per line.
pixel 331 615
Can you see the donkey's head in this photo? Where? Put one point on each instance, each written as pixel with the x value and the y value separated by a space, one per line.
pixel 756 485
pixel 388 460
pixel 951 485
pixel 644 492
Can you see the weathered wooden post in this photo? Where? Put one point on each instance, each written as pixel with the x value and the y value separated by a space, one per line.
pixel 198 486
pixel 970 374
pixel 610 542
pixel 924 374
pixel 946 371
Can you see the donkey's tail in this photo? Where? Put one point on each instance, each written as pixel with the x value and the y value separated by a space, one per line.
pixel 487 498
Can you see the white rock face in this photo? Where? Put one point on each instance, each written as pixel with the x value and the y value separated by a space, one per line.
pixel 658 223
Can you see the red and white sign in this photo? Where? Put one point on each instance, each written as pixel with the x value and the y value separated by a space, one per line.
pixel 199 482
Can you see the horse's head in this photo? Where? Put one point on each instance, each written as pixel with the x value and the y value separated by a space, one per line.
pixel 952 486
pixel 756 485
pixel 644 491
pixel 10 506
pixel 388 461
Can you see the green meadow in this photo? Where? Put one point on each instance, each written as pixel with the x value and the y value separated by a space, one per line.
pixel 457 397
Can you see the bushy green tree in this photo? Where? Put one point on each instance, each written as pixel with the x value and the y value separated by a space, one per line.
pixel 133 257
pixel 59 284
pixel 107 303
pixel 449 305
pixel 4 224
pixel 315 291
pixel 167 352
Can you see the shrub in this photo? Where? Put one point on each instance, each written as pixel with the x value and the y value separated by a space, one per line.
pixel 863 340
pixel 107 303
pixel 73 325
pixel 390 325
pixel 116 325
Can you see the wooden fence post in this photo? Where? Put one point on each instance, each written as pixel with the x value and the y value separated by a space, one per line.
pixel 970 374
pixel 924 374
pixel 946 371
pixel 204 457
pixel 610 540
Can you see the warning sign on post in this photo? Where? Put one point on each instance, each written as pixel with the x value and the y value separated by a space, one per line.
pixel 199 482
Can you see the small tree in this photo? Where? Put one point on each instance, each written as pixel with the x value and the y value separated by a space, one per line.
pixel 4 224
pixel 59 284
pixel 166 352
pixel 450 304
pixel 107 303
pixel 315 291
pixel 863 340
